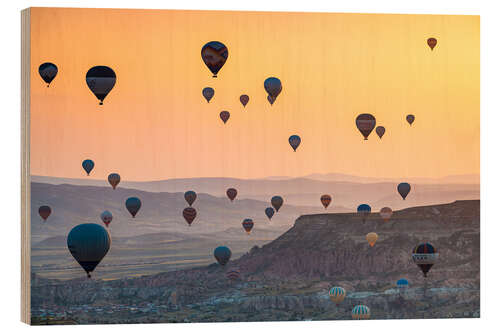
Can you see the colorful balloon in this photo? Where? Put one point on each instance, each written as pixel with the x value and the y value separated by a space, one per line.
pixel 106 217
pixel 269 212
pixel 247 225
pixel 133 205
pixel 44 212
pixel 432 42
pixel 101 79
pixel 361 312
pixel 386 213
pixel 114 180
pixel 214 55
pixel 371 238
pixel 404 189
pixel 189 214
pixel 88 165
pixel 88 243
pixel 424 256
pixel 380 130
pixel 325 200
pixel 337 295
pixel 277 202
pixel 365 123
pixel 222 254
pixel 294 141
pixel 231 193
pixel 410 119
pixel 48 72
pixel 208 93
pixel 224 115
pixel 190 197
pixel 233 274
pixel 244 100
pixel 402 284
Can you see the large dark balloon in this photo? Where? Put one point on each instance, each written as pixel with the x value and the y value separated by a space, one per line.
pixel 231 193
pixel 190 197
pixel 106 217
pixel 425 256
pixel 380 130
pixel 271 99
pixel 432 42
pixel 364 210
pixel 88 165
pixel 404 189
pixel 48 72
pixel 410 119
pixel 269 212
pixel 273 87
pixel 224 115
pixel 277 202
pixel 247 225
pixel 101 79
pixel 214 55
pixel 222 254
pixel 325 200
pixel 88 244
pixel 208 93
pixel 44 212
pixel 114 179
pixel 133 205
pixel 244 100
pixel 294 141
pixel 365 123
pixel 189 214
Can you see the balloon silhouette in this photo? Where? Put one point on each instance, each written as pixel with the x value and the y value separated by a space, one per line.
pixel 231 193
pixel 294 141
pixel 424 256
pixel 361 312
pixel 222 254
pixel 88 165
pixel 247 225
pixel 189 214
pixel 386 213
pixel 410 119
pixel 114 180
pixel 269 212
pixel 44 212
pixel 380 130
pixel 371 238
pixel 404 189
pixel 432 42
pixel 273 87
pixel 48 72
pixel 337 295
pixel 133 205
pixel 88 243
pixel 214 55
pixel 190 197
pixel 106 217
pixel 244 100
pixel 224 115
pixel 325 200
pixel 277 202
pixel 101 79
pixel 365 123
pixel 208 93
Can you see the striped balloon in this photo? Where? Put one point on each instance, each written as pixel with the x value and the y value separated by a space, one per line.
pixel 361 312
pixel 189 214
pixel 233 274
pixel 337 295
pixel 247 225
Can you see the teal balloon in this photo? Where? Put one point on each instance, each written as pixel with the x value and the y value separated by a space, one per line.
pixel 88 165
pixel 222 254
pixel 273 87
pixel 269 212
pixel 133 205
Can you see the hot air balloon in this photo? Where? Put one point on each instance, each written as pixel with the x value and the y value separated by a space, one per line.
pixel 380 130
pixel 404 189
pixel 365 123
pixel 44 212
pixel 189 214
pixel 271 99
pixel 364 210
pixel 208 93
pixel 133 205
pixel 190 197
pixel 402 284
pixel 432 42
pixel 337 295
pixel 247 225
pixel 269 212
pixel 48 72
pixel 410 119
pixel 114 180
pixel 106 217
pixel 386 213
pixel 88 165
pixel 294 141
pixel 325 200
pixel 244 100
pixel 277 202
pixel 371 238
pixel 214 55
pixel 233 274
pixel 101 79
pixel 231 193
pixel 425 256
pixel 273 87
pixel 222 254
pixel 361 312
pixel 224 115
pixel 88 244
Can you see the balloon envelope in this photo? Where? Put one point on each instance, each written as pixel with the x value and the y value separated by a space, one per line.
pixel 410 119
pixel 190 197
pixel 380 130
pixel 371 238
pixel 48 72
pixel 424 256
pixel 231 193
pixel 402 283
pixel 133 205
pixel 106 217
pixel 208 93
pixel 88 243
pixel 101 79
pixel 247 225
pixel 365 123
pixel 44 212
pixel 404 189
pixel 294 141
pixel 432 42
pixel 325 200
pixel 114 180
pixel 189 214
pixel 269 212
pixel 224 115
pixel 273 87
pixel 337 294
pixel 88 165
pixel 361 312
pixel 214 55
pixel 364 210
pixel 244 100
pixel 386 213
pixel 277 202
pixel 233 274
pixel 222 254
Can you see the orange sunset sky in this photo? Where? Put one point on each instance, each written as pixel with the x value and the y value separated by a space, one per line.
pixel 155 124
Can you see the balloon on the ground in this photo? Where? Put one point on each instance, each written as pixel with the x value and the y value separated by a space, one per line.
pixel 277 202
pixel 386 213
pixel 404 189
pixel 48 72
pixel 371 238
pixel 88 165
pixel 222 254
pixel 88 243
pixel 189 214
pixel 269 212
pixel 133 205
pixel 294 141
pixel 106 217
pixel 424 256
pixel 214 55
pixel 114 180
pixel 247 225
pixel 325 200
pixel 380 130
pixel 244 100
pixel 361 312
pixel 410 119
pixel 44 212
pixel 190 197
pixel 224 115
pixel 432 42
pixel 337 295
pixel 101 79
